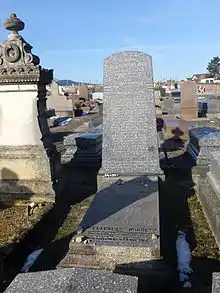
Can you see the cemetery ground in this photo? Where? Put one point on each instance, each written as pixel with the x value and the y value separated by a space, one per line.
pixel 179 209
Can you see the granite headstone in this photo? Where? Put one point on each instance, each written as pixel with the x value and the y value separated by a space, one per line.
pixel 130 143
pixel 121 227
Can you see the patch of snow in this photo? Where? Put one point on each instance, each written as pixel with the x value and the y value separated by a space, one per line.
pixel 184 259
pixel 31 260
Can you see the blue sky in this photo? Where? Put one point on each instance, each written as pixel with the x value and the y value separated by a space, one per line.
pixel 74 37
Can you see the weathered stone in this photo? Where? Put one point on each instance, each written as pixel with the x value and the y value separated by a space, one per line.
pixel 73 280
pixel 25 170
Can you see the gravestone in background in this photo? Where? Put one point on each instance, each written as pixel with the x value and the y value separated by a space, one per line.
pixel 121 227
pixel 189 107
pixel 168 105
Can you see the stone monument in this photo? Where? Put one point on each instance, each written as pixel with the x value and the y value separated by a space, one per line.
pixel 189 107
pixel 25 168
pixel 120 230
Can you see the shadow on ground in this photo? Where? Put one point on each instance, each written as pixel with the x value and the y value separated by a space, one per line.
pixel 76 184
pixel 175 189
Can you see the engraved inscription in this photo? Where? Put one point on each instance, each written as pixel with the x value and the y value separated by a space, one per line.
pixel 111 233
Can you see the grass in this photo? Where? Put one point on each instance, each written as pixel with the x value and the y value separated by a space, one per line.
pixel 73 218
pixel 206 244
pixel 14 222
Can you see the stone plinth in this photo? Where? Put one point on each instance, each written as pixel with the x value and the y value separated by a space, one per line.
pixel 73 280
pixel 189 108
pixel 24 172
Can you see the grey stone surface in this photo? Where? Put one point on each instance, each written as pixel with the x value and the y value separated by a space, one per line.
pixel 215 165
pixel 25 170
pixel 85 148
pixel 216 283
pixel 209 198
pixel 73 280
pixel 120 230
pixel 124 214
pixel 168 105
pixel 129 124
pixel 203 141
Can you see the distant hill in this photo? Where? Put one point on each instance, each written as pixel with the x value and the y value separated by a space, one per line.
pixel 66 82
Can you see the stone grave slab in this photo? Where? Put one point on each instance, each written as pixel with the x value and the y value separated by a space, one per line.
pixel 203 141
pixel 73 280
pixel 130 143
pixel 120 228
pixel 85 148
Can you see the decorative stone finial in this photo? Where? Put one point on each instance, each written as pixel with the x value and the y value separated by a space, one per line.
pixel 14 25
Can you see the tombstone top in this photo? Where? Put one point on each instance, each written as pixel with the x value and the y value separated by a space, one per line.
pixel 17 63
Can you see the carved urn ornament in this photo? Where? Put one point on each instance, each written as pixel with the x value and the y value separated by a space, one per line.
pixel 14 25
pixel 17 63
